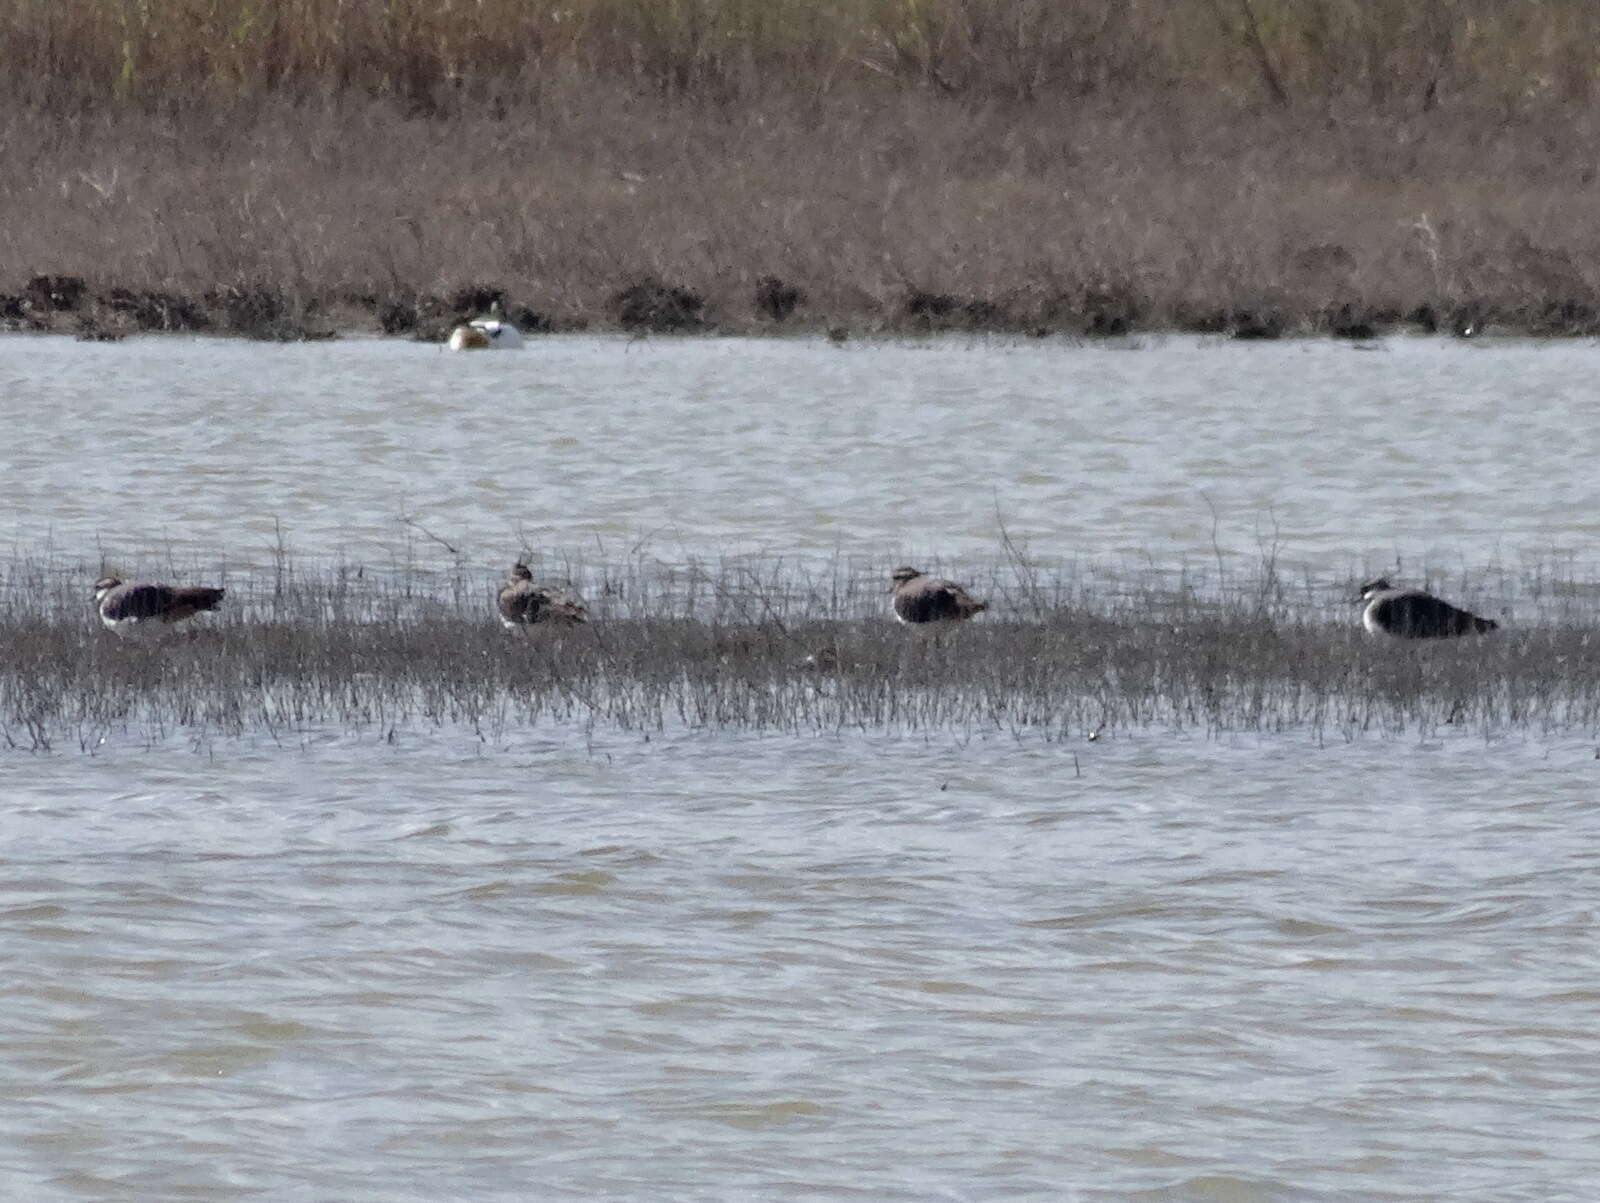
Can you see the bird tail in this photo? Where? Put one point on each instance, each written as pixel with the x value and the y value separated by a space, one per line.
pixel 1482 625
pixel 201 597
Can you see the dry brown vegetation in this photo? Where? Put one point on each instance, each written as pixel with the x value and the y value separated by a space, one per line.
pixel 1092 166
pixel 771 647
pixel 429 53
pixel 1088 167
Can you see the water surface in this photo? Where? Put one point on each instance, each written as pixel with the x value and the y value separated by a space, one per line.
pixel 1338 454
pixel 571 962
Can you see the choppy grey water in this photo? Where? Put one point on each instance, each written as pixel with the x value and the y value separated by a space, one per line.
pixel 718 966
pixel 206 448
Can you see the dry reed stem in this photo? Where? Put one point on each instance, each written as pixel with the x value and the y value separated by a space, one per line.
pixel 429 53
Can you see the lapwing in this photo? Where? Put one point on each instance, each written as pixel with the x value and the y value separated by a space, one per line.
pixel 929 602
pixel 141 608
pixel 1413 614
pixel 522 604
pixel 491 333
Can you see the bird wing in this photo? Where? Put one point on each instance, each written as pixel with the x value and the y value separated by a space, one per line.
pixel 561 605
pixel 1420 615
pixel 517 601
pixel 137 601
pixel 928 599
pixel 525 602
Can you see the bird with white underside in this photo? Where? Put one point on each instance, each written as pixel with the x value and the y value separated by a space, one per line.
pixel 522 604
pixel 490 333
pixel 1414 614
pixel 144 608
pixel 920 600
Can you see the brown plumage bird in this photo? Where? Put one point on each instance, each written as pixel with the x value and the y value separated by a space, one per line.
pixel 1413 614
pixel 142 608
pixel 522 604
pixel 920 600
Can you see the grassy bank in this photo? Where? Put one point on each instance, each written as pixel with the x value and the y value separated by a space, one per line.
pixel 1253 167
pixel 763 647
pixel 901 211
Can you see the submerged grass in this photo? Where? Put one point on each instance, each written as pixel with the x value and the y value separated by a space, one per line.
pixel 771 647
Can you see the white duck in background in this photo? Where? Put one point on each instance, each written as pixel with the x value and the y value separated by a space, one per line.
pixel 491 333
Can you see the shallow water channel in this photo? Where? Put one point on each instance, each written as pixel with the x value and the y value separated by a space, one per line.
pixel 571 961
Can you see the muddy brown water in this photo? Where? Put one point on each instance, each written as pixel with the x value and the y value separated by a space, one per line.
pixel 569 963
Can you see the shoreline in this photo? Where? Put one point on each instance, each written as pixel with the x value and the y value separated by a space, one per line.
pixel 67 305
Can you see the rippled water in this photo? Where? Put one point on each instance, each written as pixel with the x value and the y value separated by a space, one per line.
pixel 207 447
pixel 716 966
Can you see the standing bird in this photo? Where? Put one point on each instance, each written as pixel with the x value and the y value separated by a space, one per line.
pixel 522 604
pixel 140 608
pixel 1413 614
pixel 925 601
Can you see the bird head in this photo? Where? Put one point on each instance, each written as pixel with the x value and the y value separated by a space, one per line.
pixel 901 575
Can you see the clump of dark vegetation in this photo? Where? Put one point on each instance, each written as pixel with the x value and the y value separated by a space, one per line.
pixel 1098 311
pixel 43 298
pixel 772 647
pixel 263 312
pixel 1357 322
pixel 928 312
pixel 776 299
pixel 531 321
pixel 397 315
pixel 1109 314
pixel 53 294
pixel 154 310
pixel 475 300
pixel 1257 325
pixel 650 307
pixel 93 332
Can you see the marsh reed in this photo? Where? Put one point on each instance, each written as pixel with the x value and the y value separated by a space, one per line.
pixel 429 52
pixel 773 647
